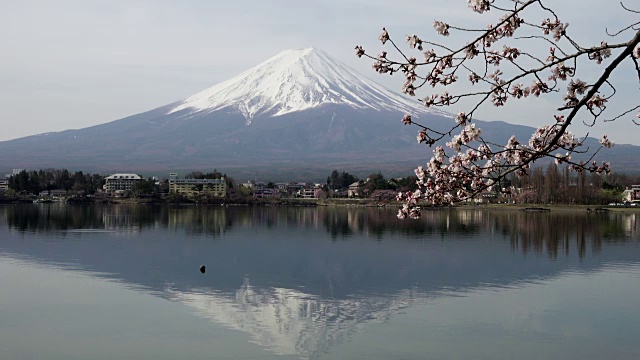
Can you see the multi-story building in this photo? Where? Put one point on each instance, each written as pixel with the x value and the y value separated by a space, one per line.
pixel 4 185
pixel 192 187
pixel 264 193
pixel 635 193
pixel 308 193
pixel 121 182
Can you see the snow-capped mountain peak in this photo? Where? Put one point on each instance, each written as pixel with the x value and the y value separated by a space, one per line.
pixel 296 80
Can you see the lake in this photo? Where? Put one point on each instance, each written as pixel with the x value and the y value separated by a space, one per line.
pixel 123 282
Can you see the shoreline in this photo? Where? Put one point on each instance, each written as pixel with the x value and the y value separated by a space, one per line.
pixel 336 202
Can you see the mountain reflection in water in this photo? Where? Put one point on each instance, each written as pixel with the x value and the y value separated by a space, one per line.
pixel 300 281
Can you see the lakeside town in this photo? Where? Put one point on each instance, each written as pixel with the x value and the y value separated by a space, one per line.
pixel 552 186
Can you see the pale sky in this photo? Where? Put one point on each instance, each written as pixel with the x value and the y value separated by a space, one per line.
pixel 70 64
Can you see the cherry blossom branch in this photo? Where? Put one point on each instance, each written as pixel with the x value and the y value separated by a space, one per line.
pixel 471 164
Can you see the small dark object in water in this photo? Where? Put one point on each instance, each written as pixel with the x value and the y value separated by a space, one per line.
pixel 203 269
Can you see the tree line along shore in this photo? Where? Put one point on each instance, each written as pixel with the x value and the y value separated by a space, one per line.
pixel 550 186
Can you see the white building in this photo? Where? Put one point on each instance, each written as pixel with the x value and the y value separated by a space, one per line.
pixel 633 195
pixel 14 172
pixel 354 189
pixel 121 182
pixel 192 187
pixel 4 185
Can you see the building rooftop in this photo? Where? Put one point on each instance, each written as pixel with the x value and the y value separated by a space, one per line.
pixel 124 177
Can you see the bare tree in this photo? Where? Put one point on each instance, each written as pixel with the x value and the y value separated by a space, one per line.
pixel 515 71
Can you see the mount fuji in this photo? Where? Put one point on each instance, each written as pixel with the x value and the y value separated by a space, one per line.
pixel 295 116
pixel 297 80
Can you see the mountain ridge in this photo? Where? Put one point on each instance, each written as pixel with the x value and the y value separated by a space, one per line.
pixel 288 134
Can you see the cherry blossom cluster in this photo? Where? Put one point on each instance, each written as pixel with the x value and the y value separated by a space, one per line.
pixel 479 6
pixel 467 135
pixel 554 27
pixel 604 141
pixel 574 89
pixel 467 164
pixel 600 53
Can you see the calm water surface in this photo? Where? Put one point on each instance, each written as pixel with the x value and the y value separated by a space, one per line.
pixel 122 282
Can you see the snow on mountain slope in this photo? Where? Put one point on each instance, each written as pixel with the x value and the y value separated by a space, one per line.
pixel 296 80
